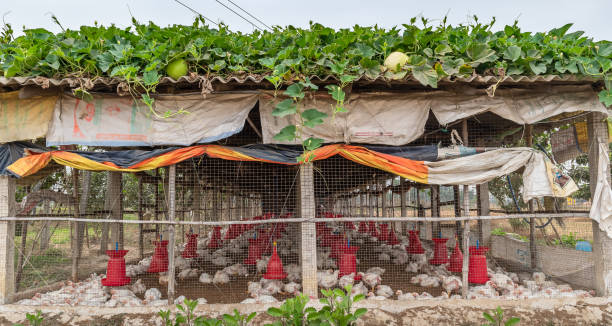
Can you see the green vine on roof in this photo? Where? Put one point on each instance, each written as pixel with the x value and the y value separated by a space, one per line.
pixel 139 54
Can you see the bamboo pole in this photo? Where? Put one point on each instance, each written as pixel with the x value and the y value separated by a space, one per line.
pixel 466 225
pixel 140 226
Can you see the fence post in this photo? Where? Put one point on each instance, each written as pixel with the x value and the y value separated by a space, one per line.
pixel 466 224
pixel 171 240
pixel 7 242
pixel 308 234
pixel 602 244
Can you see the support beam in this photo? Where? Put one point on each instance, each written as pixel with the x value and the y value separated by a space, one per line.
pixel 7 240
pixel 76 239
pixel 602 244
pixel 306 200
pixel 171 239
pixel 140 217
pixel 116 207
pixel 482 194
pixel 533 250
pixel 112 203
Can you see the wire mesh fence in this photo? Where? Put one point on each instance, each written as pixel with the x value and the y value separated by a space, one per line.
pixel 390 237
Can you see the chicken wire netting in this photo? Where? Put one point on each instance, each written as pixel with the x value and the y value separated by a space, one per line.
pixel 358 242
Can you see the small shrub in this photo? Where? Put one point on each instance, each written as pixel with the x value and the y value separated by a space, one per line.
pixel 497 319
pixel 33 319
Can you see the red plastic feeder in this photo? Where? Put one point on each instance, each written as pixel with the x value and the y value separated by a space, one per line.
pixel 348 262
pixel 254 252
pixel 373 230
pixel 337 246
pixel 191 247
pixel 440 252
pixel 159 263
pixel 275 271
pixel 478 265
pixel 414 244
pixel 384 232
pixel 215 240
pixel 456 259
pixel 363 227
pixel 115 270
pixel 233 232
pixel 392 238
pixel 349 226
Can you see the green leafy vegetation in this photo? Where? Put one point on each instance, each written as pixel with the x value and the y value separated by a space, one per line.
pixel 35 319
pixel 498 231
pixel 568 240
pixel 497 318
pixel 142 54
pixel 186 316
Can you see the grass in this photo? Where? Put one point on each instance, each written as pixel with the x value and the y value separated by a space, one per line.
pixel 44 269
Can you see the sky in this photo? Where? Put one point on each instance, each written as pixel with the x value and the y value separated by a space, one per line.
pixel 591 16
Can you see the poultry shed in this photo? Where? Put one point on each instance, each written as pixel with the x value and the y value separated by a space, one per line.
pixel 224 213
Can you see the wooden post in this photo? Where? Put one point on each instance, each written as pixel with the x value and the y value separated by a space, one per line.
pixel 403 211
pixel 140 217
pixel 457 206
pixel 435 209
pixel 7 240
pixel 308 234
pixel 116 207
pixel 482 192
pixel 533 251
pixel 602 243
pixel 466 225
pixel 171 240
pixel 76 227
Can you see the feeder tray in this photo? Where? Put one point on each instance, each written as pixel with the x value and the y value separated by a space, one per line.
pixel 115 270
pixel 440 252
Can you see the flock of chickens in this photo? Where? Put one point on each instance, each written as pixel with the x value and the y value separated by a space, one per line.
pixel 502 284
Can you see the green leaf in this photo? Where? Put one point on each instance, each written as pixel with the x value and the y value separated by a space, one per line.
pixel 284 108
pixel 512 321
pixel 267 62
pixel 147 100
pixel 308 84
pixel 443 49
pixel 150 78
pixel 345 79
pixel 311 143
pixel 480 53
pixel 360 312
pixel 295 91
pixel 313 117
pixel 286 134
pixel 559 32
pixel 105 60
pixel 336 92
pixel 537 68
pixel 512 53
pixel 275 312
pixel 604 49
pixel 488 317
pixel 605 97
pixel 426 76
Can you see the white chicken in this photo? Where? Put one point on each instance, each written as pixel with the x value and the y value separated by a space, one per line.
pixel 292 288
pixel 451 283
pixel 417 279
pixel 163 279
pixel 181 263
pixel 384 257
pixel 138 287
pixel 372 296
pixel 430 282
pixel 220 261
pixel 179 300
pixel 502 282
pixel 157 303
pixel 266 299
pixel 187 273
pixel 270 287
pixel 539 278
pixel 294 273
pixel 205 278
pixel 346 280
pixel 412 268
pixel 371 279
pixel 262 264
pixel 254 289
pixel 376 270
pixel 221 278
pixel 359 288
pixel 384 290
pixel 152 294
pixel 202 301
pixel 406 296
pixel 327 279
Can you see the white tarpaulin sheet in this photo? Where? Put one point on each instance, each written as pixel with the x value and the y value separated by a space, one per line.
pixel 539 177
pixel 523 106
pixel 372 118
pixel 399 118
pixel 123 121
pixel 601 208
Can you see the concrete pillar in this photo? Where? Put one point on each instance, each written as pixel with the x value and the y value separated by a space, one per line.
pixel 306 200
pixel 7 242
pixel 602 244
